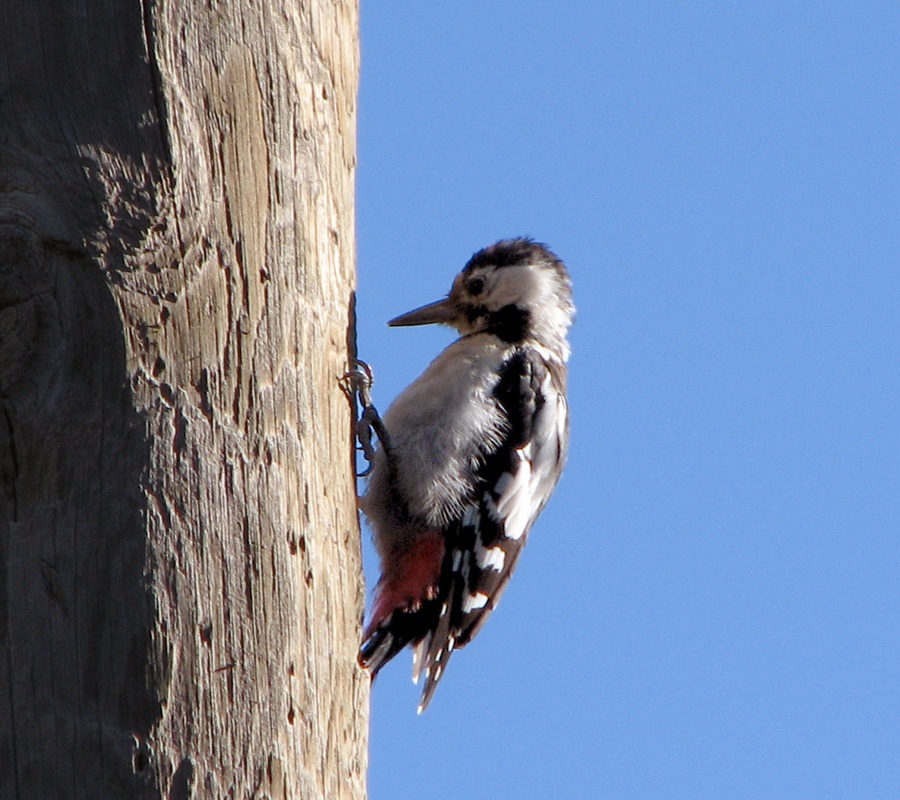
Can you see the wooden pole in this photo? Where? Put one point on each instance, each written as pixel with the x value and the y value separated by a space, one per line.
pixel 180 585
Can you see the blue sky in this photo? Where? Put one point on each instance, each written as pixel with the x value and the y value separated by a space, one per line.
pixel 709 606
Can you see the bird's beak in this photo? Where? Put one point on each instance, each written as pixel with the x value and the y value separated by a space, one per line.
pixel 442 311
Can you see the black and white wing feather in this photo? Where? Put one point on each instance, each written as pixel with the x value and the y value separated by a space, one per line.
pixel 512 485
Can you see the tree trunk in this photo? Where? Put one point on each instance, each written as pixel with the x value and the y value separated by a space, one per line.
pixel 180 585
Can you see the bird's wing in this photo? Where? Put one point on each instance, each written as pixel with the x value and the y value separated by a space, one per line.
pixel 513 483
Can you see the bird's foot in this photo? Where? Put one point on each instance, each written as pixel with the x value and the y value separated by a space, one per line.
pixel 357 383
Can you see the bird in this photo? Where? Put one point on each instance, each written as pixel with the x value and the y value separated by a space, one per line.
pixel 470 453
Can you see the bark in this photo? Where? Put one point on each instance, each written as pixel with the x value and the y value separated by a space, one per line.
pixel 180 585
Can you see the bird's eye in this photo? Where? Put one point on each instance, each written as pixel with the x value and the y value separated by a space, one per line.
pixel 475 286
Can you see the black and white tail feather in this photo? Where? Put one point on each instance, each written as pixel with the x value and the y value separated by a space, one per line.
pixel 480 463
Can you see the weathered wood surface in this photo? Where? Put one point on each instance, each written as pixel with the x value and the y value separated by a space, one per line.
pixel 180 585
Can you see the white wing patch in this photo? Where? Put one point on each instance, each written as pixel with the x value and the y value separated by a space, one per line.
pixel 490 557
pixel 516 502
pixel 474 602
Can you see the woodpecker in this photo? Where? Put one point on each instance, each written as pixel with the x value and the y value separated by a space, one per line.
pixel 470 454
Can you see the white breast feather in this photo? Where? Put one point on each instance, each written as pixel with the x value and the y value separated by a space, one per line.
pixel 438 419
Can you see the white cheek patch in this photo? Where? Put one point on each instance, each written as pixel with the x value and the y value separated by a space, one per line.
pixel 474 601
pixel 490 557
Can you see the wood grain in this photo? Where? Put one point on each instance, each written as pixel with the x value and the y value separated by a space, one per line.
pixel 180 583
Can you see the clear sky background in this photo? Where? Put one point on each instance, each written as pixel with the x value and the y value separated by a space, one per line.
pixel 709 606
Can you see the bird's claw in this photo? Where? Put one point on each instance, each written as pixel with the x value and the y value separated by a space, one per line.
pixel 358 384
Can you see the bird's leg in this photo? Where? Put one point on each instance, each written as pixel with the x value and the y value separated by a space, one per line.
pixel 359 383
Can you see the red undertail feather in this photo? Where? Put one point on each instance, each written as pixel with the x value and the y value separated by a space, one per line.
pixel 409 584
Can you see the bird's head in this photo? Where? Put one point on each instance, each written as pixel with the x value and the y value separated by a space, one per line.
pixel 515 289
